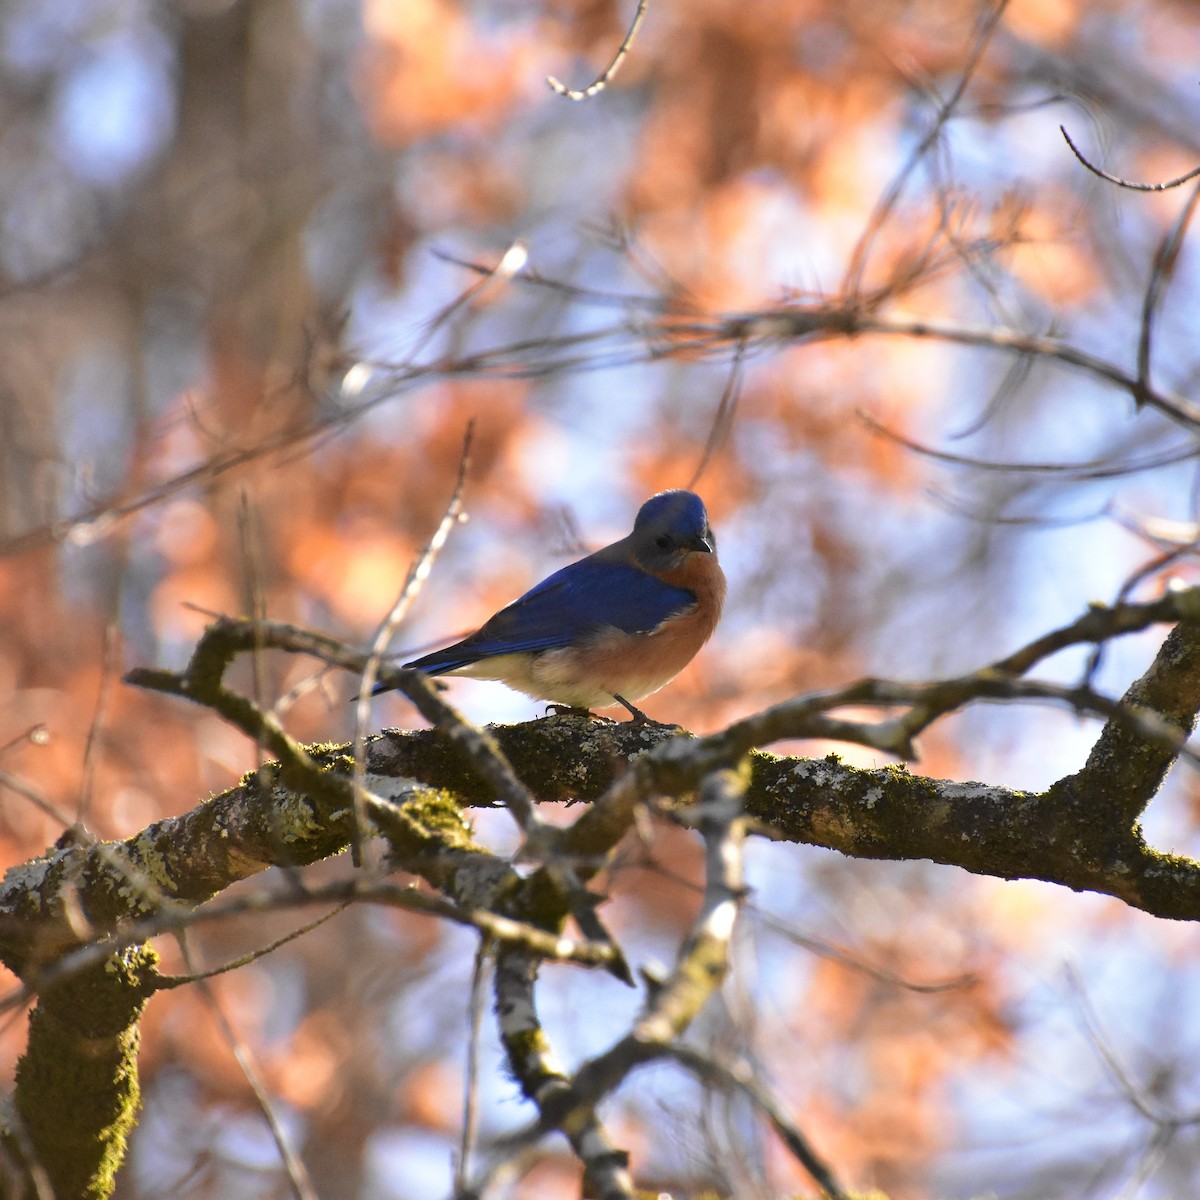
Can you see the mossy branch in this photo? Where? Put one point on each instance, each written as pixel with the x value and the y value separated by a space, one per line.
pixel 1082 833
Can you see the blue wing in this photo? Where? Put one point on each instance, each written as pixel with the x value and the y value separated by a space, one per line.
pixel 565 607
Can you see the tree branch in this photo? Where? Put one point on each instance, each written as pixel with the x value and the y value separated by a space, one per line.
pixel 1081 833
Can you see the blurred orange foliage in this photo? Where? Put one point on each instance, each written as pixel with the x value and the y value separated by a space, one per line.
pixel 176 441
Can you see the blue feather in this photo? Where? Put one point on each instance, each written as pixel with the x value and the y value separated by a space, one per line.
pixel 586 596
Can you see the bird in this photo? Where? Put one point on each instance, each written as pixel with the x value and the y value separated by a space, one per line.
pixel 608 629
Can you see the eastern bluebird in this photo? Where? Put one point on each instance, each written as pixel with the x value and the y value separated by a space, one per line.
pixel 610 628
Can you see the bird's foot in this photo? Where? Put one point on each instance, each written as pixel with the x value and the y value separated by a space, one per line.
pixel 637 717
pixel 571 710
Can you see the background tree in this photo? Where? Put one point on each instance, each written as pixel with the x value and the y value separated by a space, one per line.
pixel 933 377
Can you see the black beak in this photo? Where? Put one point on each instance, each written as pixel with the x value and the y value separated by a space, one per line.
pixel 702 543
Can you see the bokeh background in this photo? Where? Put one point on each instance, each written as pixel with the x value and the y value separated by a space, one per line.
pixel 239 358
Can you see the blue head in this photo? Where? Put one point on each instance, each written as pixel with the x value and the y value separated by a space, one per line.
pixel 669 527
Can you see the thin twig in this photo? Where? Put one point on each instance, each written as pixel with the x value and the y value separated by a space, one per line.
pixel 543 1080
pixel 36 799
pixel 569 1104
pixel 91 750
pixel 297 1173
pixel 1165 258
pixel 495 928
pixel 887 203
pixel 173 981
pixel 613 67
pixel 722 421
pixel 820 946
pixel 510 264
pixel 590 297
pixel 621 343
pixel 30 1167
pixel 470 1117
pixel 1069 472
pixel 37 734
pixel 1095 1032
pixel 417 574
pixel 1016 373
pixel 1178 408
pixel 254 601
pixel 1146 571
pixel 1127 183
pixel 740 1077
pixel 226 638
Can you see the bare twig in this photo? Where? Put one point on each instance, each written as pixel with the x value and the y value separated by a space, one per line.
pixel 495 928
pixel 417 574
pixel 740 1076
pixel 1165 258
pixel 37 735
pixel 1136 1096
pixel 660 334
pixel 253 599
pixel 30 1168
pixel 470 1117
pixel 293 1165
pixel 569 1104
pixel 226 638
pixel 1177 408
pixel 1165 1124
pixel 91 750
pixel 988 23
pixel 36 798
pixel 603 80
pixel 1127 183
pixel 166 982
pixel 1146 571
pixel 1067 472
pixel 510 264
pixel 587 296
pixel 1016 372
pixel 821 947
pixel 722 421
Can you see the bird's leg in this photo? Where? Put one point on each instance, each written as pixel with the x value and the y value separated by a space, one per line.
pixel 636 714
pixel 637 717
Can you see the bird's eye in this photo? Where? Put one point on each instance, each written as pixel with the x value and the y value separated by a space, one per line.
pixel 663 541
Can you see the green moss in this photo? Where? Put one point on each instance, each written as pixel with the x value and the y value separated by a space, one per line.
pixel 439 812
pixel 333 756
pixel 324 750
pixel 77 1091
pixel 294 819
pixel 527 1046
pixel 148 879
pixel 532 1061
